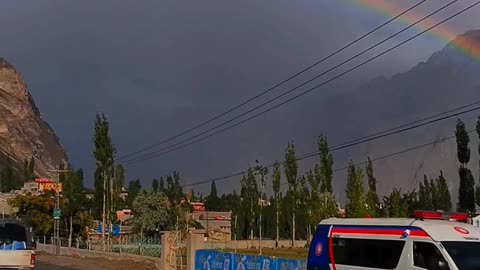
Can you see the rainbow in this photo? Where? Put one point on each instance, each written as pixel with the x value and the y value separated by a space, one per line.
pixel 442 32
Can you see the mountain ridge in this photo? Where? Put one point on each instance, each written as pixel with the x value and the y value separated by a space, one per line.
pixel 23 132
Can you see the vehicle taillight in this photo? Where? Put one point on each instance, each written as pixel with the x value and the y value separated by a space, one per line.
pixel 32 259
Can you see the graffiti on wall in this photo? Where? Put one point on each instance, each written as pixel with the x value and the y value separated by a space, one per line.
pixel 215 260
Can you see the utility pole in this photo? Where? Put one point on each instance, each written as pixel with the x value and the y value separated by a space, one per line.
pixel 263 172
pixel 110 214
pixel 261 214
pixel 103 211
pixel 235 235
pixel 56 211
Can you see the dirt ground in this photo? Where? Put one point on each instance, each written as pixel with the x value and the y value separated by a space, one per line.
pixel 50 262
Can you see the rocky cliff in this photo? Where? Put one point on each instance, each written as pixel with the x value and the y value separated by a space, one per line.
pixel 23 133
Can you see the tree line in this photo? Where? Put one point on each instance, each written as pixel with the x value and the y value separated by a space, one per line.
pixel 308 198
pixel 261 207
pixel 13 179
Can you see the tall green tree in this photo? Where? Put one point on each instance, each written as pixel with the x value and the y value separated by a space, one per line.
pixel 443 194
pixel 212 201
pixel 355 206
pixel 466 191
pixel 372 197
pixel 399 204
pixel 423 196
pixel 393 204
pixel 314 180
pixel 155 185
pixel 213 190
pixel 74 199
pixel 429 190
pixel 28 170
pixel 321 184
pixel 291 174
pixel 151 212
pixel 477 191
pixel 118 185
pixel 261 172
pixel 8 178
pixel 134 189
pixel 304 209
pixel 276 178
pixel 326 165
pixel 104 154
pixel 250 195
pixel 161 185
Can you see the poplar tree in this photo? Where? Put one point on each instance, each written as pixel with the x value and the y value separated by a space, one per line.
pixel 291 173
pixel 466 190
pixel 355 206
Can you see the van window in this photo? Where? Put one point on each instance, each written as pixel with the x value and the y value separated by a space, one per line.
pixel 464 254
pixel 428 256
pixel 358 252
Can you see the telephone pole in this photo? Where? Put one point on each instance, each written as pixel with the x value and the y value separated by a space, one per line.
pixel 56 211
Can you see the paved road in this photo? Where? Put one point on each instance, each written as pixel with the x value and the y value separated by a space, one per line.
pixel 49 262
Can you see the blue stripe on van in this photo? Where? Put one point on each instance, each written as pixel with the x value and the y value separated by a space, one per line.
pixel 320 241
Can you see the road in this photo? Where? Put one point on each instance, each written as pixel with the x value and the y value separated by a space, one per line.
pixel 50 262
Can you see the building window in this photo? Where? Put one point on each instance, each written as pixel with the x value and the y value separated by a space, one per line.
pixel 380 254
pixel 428 256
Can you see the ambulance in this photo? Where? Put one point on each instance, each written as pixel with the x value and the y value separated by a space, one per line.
pixel 428 240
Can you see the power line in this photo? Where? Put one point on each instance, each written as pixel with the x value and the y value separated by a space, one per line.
pixel 403 125
pixel 276 85
pixel 398 153
pixel 348 144
pixel 295 88
pixel 158 152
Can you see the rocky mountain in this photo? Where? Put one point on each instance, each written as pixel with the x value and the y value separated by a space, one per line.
pixel 23 133
pixel 448 79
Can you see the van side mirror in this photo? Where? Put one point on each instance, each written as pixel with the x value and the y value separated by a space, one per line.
pixel 443 265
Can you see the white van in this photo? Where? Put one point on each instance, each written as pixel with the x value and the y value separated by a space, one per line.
pixel 429 240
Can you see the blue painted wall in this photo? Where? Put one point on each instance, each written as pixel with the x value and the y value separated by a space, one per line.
pixel 215 260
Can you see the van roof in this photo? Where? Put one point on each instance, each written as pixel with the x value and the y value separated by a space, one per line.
pixel 438 230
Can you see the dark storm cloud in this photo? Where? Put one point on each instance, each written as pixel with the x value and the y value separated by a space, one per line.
pixel 158 67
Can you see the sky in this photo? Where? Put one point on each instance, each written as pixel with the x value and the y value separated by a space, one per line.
pixel 156 68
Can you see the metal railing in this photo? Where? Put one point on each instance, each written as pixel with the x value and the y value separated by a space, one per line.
pixel 143 246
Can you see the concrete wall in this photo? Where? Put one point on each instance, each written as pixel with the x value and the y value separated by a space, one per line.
pixel 215 260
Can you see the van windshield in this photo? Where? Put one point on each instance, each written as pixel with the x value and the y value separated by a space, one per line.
pixel 464 254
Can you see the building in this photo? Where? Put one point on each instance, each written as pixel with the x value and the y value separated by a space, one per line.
pixel 5 209
pixel 217 225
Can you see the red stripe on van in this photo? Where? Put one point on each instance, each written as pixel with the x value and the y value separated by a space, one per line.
pixel 330 249
pixel 416 233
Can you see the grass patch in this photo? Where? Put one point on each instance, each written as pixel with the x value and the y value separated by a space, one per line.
pixel 286 253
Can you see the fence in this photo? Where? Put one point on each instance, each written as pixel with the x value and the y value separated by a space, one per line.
pixel 215 260
pixel 135 245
